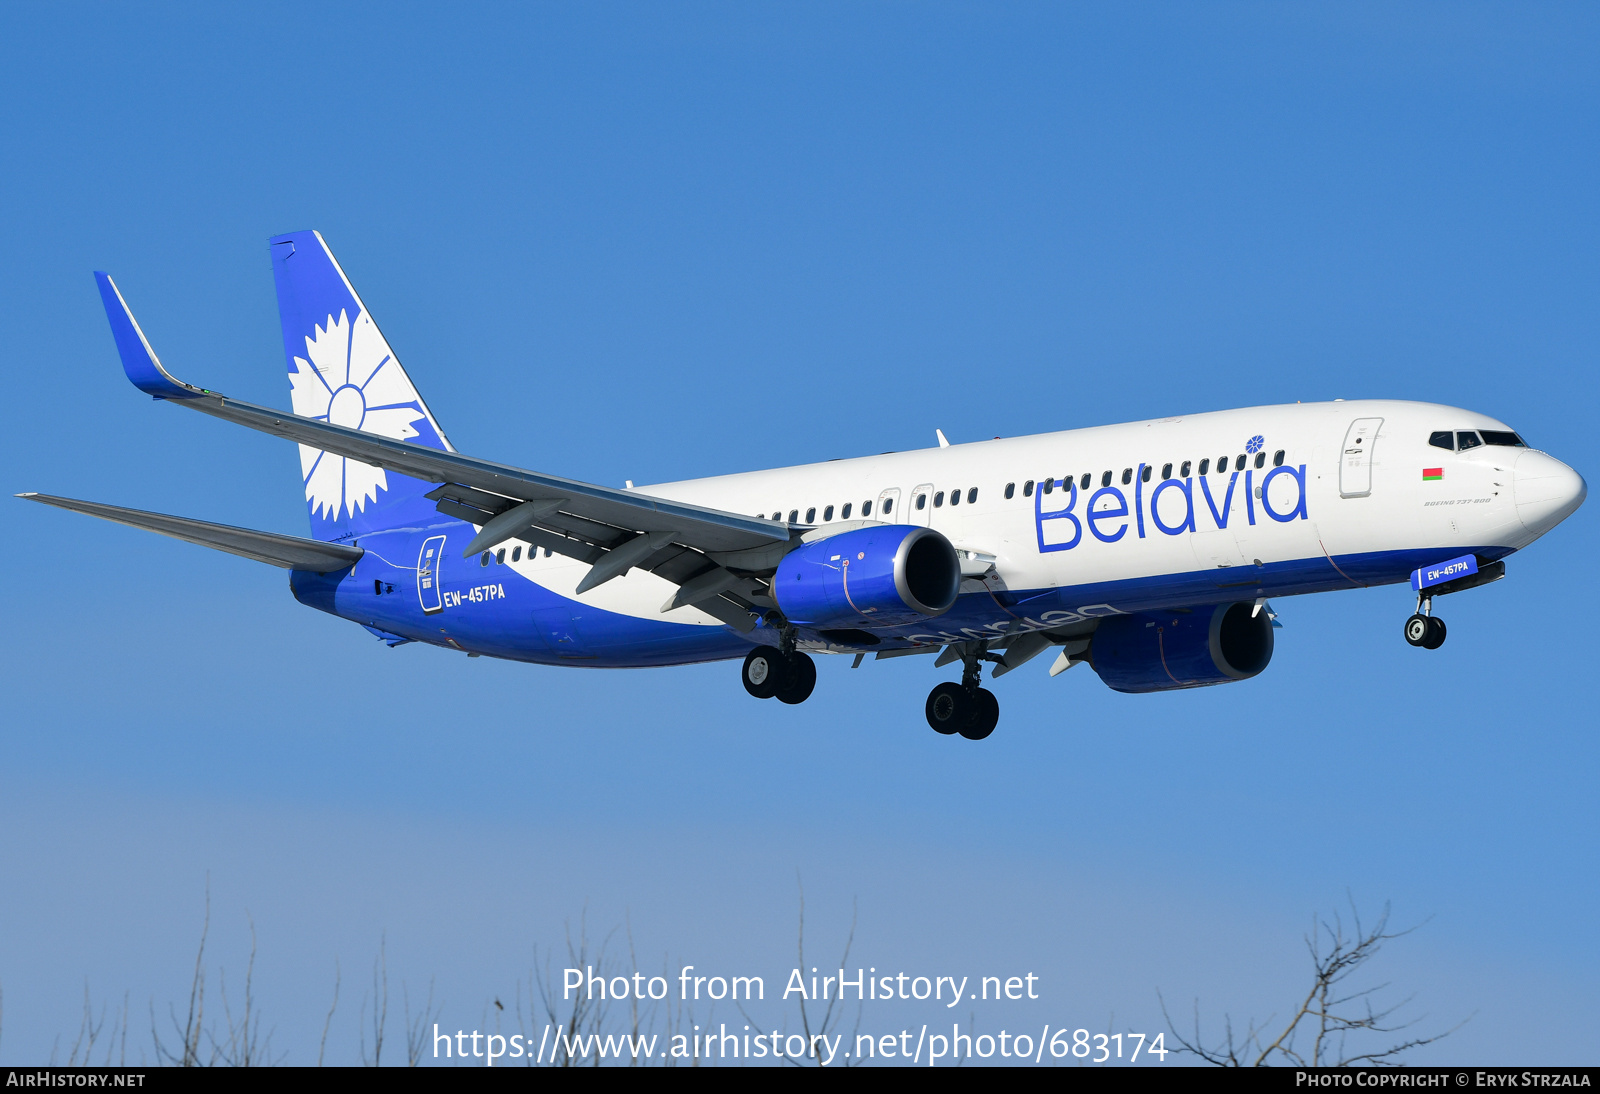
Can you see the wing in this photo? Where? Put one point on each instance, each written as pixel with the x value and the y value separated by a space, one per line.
pixel 290 552
pixel 715 557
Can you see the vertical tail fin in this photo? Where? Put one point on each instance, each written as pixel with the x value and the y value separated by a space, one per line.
pixel 342 370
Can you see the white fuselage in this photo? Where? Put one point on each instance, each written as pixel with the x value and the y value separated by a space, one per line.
pixel 1371 500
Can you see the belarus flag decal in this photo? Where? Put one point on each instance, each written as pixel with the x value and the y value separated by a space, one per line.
pixel 1431 473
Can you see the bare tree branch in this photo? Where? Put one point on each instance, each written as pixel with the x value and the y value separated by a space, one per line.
pixel 380 1006
pixel 417 1029
pixel 831 1013
pixel 328 1021
pixel 1329 1016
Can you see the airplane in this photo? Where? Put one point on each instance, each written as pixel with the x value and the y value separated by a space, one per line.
pixel 1149 551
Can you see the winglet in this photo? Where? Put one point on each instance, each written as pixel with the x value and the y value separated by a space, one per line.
pixel 139 361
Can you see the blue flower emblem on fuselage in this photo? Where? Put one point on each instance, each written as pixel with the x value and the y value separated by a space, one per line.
pixel 1255 444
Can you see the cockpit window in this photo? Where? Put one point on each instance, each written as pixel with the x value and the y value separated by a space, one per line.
pixel 1502 437
pixel 1443 439
pixel 1465 439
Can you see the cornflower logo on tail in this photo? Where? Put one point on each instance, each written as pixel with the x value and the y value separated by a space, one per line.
pixel 349 377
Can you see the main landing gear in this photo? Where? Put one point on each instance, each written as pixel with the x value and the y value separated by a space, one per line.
pixel 772 673
pixel 964 708
pixel 1424 628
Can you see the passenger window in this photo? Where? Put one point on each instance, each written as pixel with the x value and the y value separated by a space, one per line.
pixel 1205 465
pixel 484 561
pixel 1443 439
pixel 1027 489
pixel 922 501
pixel 1261 459
pixel 500 556
pixel 972 494
pixel 1466 439
pixel 794 516
pixel 1127 475
pixel 516 554
pixel 1048 486
pixel 1166 472
pixel 1222 465
pixel 1105 480
pixel 888 506
pixel 938 499
pixel 955 496
pixel 1500 437
pixel 1083 483
pixel 1145 477
pixel 866 508
pixel 827 514
pixel 1238 462
pixel 844 514
pixel 1277 458
pixel 1011 490
pixel 811 515
pixel 548 553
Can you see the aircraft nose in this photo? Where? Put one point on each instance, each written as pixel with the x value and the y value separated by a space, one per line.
pixel 1547 491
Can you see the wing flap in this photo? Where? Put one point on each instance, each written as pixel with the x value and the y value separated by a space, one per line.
pixel 696 526
pixel 289 552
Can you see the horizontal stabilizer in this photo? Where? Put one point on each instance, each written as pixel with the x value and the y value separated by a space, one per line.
pixel 290 552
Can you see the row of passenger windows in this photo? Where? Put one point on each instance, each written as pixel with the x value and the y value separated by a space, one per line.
pixel 844 511
pixel 1240 462
pixel 1462 439
pixel 1046 486
pixel 955 498
pixel 516 555
pixel 885 506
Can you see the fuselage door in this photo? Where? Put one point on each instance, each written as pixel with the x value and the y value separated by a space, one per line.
pixel 428 574
pixel 1355 462
pixel 919 510
pixel 888 509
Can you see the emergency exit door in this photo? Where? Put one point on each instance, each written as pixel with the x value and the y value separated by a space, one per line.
pixel 889 506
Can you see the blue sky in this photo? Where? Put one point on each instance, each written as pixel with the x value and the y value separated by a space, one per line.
pixel 648 242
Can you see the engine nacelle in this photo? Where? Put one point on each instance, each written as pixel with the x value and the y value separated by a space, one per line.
pixel 887 575
pixel 1168 650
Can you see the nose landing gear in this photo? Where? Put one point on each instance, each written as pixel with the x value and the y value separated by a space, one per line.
pixel 1424 628
pixel 963 708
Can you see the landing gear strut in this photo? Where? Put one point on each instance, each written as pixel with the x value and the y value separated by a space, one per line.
pixel 772 673
pixel 1424 628
pixel 964 708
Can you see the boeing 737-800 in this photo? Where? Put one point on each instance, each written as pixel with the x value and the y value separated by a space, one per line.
pixel 1148 550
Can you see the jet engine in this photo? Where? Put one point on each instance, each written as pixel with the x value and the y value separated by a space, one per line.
pixel 1169 650
pixel 883 575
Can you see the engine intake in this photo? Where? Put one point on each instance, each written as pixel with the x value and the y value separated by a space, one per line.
pixel 883 575
pixel 1166 651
